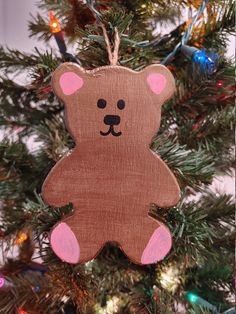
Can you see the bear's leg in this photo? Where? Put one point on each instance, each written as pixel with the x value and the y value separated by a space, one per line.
pixel 148 242
pixel 158 245
pixel 74 240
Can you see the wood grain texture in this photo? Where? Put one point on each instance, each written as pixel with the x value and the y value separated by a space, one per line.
pixel 111 179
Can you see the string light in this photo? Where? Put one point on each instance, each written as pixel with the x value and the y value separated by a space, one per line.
pixel 181 46
pixel 58 35
pixel 170 278
pixel 21 238
pixel 204 61
pixel 21 311
pixel 2 282
pixel 5 284
pixel 36 289
pixel 194 298
pixel 207 63
pixel 220 83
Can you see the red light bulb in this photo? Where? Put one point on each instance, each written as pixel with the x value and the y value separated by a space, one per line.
pixel 195 126
pixel 219 83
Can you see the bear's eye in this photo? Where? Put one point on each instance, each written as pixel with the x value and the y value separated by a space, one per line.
pixel 121 104
pixel 101 103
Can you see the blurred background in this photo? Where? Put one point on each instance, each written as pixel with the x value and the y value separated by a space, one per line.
pixel 14 17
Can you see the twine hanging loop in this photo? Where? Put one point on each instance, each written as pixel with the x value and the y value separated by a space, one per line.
pixel 112 55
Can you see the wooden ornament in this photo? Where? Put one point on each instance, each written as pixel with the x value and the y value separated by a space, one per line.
pixel 111 176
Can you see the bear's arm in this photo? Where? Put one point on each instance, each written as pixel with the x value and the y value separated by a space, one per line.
pixel 167 191
pixel 58 188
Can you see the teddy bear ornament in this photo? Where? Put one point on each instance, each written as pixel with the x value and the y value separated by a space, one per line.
pixel 111 176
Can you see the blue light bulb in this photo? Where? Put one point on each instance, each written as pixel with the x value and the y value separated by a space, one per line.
pixel 36 288
pixel 206 62
pixel 200 57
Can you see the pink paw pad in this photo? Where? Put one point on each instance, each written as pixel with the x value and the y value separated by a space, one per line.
pixel 65 244
pixel 158 246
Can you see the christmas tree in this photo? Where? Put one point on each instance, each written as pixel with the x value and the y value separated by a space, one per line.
pixel 195 140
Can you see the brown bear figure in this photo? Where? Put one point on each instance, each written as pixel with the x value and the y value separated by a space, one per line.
pixel 111 177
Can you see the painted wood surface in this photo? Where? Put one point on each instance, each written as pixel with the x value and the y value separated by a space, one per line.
pixel 111 176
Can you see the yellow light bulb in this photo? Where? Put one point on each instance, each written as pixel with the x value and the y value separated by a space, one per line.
pixel 54 23
pixel 170 278
pixel 143 6
pixel 21 238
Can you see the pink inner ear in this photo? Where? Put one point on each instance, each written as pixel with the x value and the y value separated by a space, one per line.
pixel 70 83
pixel 157 82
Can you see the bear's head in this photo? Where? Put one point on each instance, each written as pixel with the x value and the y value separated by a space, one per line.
pixel 113 103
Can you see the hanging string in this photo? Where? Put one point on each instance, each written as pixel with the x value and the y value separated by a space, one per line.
pixel 112 56
pixel 116 46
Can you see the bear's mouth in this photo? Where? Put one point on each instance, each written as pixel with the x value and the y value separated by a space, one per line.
pixel 111 131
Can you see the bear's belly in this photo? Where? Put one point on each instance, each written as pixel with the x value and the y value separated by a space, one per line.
pixel 105 184
pixel 118 185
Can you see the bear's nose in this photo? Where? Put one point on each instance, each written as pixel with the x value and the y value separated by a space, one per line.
pixel 111 120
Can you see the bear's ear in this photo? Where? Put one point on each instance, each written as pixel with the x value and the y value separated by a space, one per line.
pixel 67 79
pixel 160 81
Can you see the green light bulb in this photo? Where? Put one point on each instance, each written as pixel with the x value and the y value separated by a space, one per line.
pixel 192 297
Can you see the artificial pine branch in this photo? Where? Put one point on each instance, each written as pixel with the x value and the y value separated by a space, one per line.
pixel 195 140
pixel 192 168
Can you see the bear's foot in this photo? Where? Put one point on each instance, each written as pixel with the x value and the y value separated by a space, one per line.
pixel 64 243
pixel 158 246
